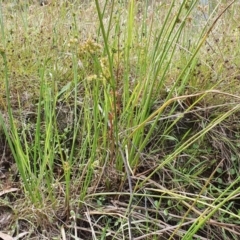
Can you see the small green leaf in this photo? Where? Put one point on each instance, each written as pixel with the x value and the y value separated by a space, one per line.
pixel 156 203
pixel 220 180
pixel 232 171
pixel 179 207
pixel 165 212
pixel 195 146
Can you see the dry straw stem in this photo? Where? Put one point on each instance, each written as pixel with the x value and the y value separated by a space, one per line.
pixel 159 110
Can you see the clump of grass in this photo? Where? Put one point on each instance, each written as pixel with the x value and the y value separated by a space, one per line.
pixel 119 120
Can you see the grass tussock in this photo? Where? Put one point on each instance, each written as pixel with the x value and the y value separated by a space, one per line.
pixel 119 120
